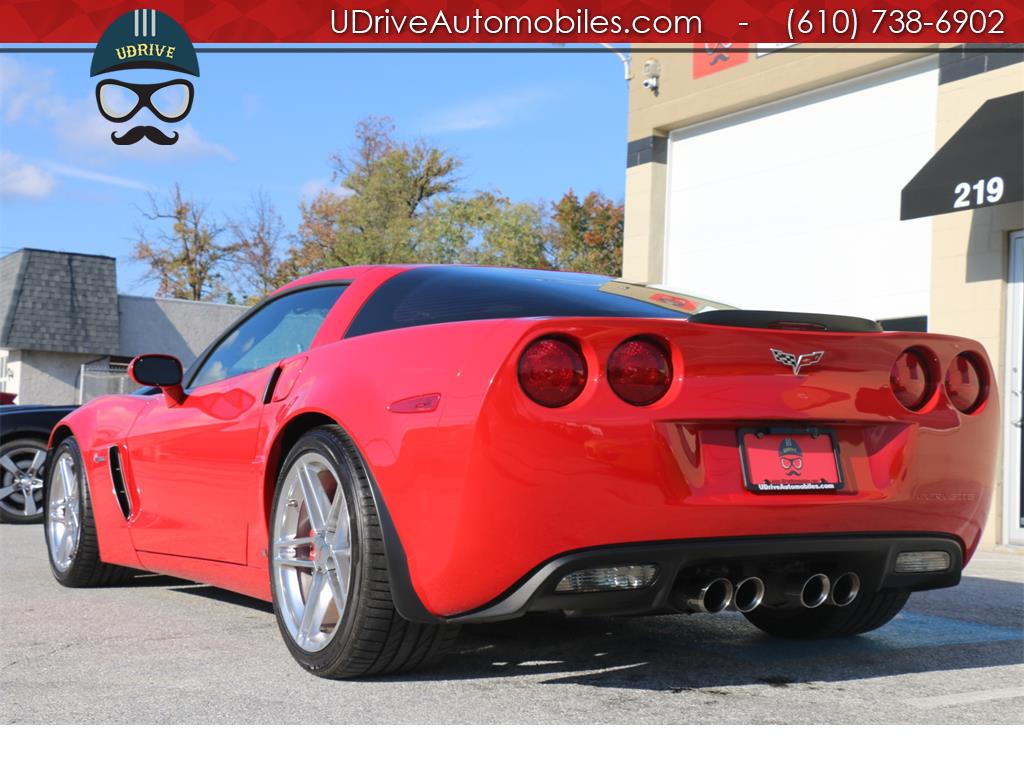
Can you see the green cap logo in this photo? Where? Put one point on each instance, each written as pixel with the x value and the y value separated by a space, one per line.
pixel 141 40
pixel 144 39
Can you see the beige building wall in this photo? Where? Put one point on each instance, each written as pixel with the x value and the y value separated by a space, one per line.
pixel 44 378
pixel 970 261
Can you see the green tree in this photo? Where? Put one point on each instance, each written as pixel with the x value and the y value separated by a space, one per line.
pixel 486 228
pixel 183 249
pixel 392 184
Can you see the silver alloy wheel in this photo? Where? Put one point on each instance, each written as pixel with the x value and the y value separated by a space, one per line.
pixel 21 480
pixel 311 552
pixel 64 519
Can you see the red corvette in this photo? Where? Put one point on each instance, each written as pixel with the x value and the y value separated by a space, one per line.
pixel 389 452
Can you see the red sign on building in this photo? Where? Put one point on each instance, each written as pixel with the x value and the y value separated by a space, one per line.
pixel 715 57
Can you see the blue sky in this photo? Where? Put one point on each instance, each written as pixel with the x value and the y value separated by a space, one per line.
pixel 529 125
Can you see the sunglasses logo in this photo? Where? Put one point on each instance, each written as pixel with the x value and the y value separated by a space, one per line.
pixel 145 42
pixel 791 457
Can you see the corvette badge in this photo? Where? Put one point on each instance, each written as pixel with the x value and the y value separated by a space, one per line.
pixel 796 362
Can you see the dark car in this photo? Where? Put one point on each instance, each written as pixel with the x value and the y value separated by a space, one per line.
pixel 24 431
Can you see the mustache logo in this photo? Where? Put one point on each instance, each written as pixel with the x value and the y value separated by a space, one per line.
pixel 140 132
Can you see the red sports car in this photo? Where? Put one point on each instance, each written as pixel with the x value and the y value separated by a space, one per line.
pixel 386 453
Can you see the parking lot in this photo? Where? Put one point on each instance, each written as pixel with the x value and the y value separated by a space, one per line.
pixel 168 651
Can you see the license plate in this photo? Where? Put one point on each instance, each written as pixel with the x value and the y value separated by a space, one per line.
pixel 790 462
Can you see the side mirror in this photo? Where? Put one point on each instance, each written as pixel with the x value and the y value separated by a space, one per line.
pixel 162 371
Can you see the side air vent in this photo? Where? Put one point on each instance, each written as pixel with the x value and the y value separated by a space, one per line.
pixel 786 321
pixel 120 486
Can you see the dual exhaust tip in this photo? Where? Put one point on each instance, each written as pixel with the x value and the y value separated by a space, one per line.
pixel 719 594
pixel 747 594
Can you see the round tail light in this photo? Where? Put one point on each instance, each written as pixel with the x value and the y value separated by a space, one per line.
pixel 910 379
pixel 965 383
pixel 639 371
pixel 552 371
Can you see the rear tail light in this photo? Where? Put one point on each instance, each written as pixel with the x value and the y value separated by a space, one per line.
pixel 911 379
pixel 639 371
pixel 965 383
pixel 552 371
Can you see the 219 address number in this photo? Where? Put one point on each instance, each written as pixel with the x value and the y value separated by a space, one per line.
pixel 985 191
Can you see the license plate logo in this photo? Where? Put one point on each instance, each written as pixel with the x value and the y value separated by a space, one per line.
pixel 790 462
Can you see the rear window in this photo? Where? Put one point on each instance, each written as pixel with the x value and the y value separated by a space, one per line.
pixel 448 294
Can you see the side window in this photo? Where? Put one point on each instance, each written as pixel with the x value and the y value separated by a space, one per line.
pixel 282 328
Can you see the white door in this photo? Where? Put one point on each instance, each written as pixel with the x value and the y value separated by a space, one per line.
pixel 1013 505
pixel 796 206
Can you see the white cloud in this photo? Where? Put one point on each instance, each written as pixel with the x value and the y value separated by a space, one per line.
pixel 22 92
pixel 101 178
pixel 484 113
pixel 22 179
pixel 314 187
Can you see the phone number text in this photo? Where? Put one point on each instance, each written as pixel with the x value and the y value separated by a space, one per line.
pixel 850 23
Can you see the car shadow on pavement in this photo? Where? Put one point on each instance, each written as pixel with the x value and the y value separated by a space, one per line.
pixel 223 596
pixel 980 624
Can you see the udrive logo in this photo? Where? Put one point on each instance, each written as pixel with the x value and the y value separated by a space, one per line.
pixel 142 46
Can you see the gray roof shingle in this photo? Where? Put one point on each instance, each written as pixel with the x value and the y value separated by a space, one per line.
pixel 58 302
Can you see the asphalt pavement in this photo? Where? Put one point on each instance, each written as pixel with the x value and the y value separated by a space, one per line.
pixel 169 651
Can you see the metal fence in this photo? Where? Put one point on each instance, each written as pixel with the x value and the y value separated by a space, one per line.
pixel 96 380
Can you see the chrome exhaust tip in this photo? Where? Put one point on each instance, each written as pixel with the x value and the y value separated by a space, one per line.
pixel 815 591
pixel 845 589
pixel 712 597
pixel 748 594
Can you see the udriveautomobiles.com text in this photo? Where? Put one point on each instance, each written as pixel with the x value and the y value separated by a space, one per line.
pixel 582 22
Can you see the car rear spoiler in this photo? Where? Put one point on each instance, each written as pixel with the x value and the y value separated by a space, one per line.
pixel 787 321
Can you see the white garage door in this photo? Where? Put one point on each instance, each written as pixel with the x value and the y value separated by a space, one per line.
pixel 797 206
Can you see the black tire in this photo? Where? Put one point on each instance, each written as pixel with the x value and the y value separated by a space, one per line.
pixel 372 638
pixel 85 568
pixel 868 612
pixel 16 506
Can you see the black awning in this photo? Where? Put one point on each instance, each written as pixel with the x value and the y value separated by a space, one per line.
pixel 981 165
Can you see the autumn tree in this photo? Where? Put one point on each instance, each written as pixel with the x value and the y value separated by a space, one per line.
pixel 183 248
pixel 255 250
pixel 586 235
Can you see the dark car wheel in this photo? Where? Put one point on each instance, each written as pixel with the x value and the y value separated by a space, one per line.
pixel 869 611
pixel 69 526
pixel 22 465
pixel 328 570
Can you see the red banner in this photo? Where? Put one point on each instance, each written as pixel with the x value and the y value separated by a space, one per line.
pixel 995 22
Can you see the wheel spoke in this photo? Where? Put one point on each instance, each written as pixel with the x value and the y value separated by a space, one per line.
pixel 30 504
pixel 8 464
pixel 289 542
pixel 337 577
pixel 315 608
pixel 67 475
pixel 314 497
pixel 37 462
pixel 66 542
pixel 8 490
pixel 339 520
pixel 293 562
